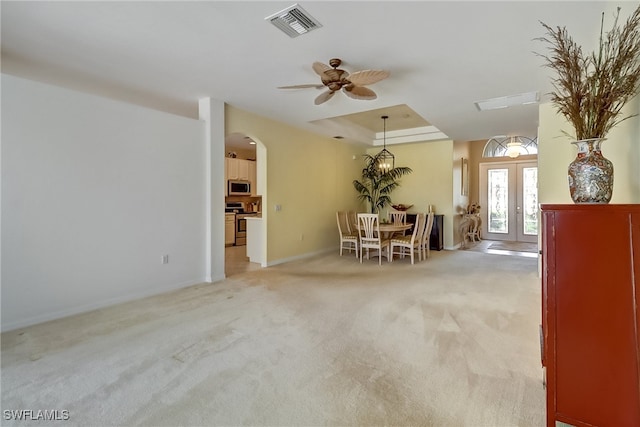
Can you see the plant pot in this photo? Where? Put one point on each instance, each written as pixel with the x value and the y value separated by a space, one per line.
pixel 590 173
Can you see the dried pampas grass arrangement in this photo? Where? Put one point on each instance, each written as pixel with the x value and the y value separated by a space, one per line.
pixel 590 91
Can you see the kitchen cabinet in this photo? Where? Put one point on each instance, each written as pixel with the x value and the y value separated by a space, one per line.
pixel 237 168
pixel 240 169
pixel 590 320
pixel 230 168
pixel 243 169
pixel 229 229
pixel 253 178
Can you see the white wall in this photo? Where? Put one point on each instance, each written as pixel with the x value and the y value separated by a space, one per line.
pixel 211 112
pixel 94 192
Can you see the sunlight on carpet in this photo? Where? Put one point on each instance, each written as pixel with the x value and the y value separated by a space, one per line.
pixel 515 246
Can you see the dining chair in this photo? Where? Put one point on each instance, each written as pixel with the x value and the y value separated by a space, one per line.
pixel 348 239
pixel 426 240
pixel 398 218
pixel 352 220
pixel 370 238
pixel 412 243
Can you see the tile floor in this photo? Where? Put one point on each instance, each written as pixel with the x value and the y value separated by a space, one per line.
pixel 483 246
pixel 237 262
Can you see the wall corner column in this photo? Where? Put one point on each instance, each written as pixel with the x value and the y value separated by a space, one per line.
pixel 211 111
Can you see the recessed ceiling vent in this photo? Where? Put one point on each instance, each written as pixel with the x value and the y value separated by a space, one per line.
pixel 294 21
pixel 508 101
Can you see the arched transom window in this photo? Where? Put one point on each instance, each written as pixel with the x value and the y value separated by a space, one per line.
pixel 510 146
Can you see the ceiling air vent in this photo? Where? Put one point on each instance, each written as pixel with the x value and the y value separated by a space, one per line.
pixel 508 101
pixel 294 21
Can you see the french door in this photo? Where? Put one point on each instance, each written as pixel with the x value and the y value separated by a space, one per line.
pixel 509 200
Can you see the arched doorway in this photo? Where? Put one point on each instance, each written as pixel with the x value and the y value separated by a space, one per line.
pixel 245 161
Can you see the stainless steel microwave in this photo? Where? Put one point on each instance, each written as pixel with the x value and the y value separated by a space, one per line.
pixel 239 188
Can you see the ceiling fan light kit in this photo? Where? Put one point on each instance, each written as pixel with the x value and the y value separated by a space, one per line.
pixel 335 79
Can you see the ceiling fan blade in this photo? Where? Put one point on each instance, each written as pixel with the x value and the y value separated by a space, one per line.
pixel 367 77
pixel 317 86
pixel 359 92
pixel 320 68
pixel 324 97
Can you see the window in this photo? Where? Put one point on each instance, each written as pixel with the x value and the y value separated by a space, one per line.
pixel 510 146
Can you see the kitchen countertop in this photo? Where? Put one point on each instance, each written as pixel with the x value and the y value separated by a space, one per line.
pixel 251 216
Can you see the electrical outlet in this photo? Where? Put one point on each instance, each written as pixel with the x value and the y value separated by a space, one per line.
pixel 301 237
pixel 165 259
pixel 278 208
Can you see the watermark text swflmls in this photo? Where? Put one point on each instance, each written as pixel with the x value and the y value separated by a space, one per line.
pixel 36 415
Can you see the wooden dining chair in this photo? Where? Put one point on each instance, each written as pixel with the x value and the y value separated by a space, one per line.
pixel 348 239
pixel 398 218
pixel 425 241
pixel 370 238
pixel 352 220
pixel 411 243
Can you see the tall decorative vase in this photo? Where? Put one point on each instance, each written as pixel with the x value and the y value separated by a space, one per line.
pixel 590 173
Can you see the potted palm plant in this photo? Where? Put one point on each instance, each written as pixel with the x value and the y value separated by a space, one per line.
pixel 376 185
pixel 590 91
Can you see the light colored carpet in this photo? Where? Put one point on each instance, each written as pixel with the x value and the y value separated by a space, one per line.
pixel 514 246
pixel 452 341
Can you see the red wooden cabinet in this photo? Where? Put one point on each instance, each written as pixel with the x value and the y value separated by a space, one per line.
pixel 590 319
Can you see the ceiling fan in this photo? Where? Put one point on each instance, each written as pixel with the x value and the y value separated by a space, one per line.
pixel 353 85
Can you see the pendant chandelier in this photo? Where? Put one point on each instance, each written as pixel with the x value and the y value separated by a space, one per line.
pixel 385 159
pixel 514 148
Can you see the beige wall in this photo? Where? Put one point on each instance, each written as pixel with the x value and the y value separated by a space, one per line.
pixel 309 176
pixel 241 153
pixel 460 201
pixel 555 152
pixel 475 157
pixel 431 181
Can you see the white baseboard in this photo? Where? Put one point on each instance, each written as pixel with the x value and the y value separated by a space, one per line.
pixel 96 305
pixel 214 279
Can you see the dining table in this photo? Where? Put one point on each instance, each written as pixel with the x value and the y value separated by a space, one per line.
pixel 386 231
pixel 388 228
